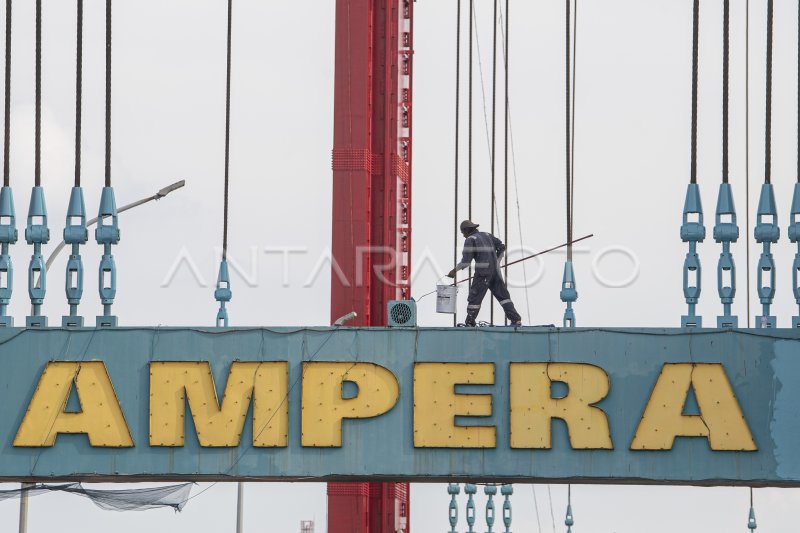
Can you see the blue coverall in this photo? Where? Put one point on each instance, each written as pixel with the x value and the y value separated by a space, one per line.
pixel 486 250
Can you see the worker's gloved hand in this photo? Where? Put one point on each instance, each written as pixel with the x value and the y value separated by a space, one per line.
pixel 452 274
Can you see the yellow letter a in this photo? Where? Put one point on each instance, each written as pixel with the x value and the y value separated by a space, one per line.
pixel 100 417
pixel 720 420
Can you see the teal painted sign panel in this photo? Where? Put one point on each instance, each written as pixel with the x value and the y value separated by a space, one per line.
pixel 762 368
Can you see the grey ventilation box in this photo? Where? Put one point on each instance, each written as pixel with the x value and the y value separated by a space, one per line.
pixel 402 314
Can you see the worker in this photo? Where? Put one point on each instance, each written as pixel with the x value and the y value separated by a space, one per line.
pixel 486 250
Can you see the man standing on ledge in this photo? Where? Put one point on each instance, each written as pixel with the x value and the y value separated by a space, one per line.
pixel 486 250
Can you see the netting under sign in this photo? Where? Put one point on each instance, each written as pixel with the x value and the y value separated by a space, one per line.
pixel 141 499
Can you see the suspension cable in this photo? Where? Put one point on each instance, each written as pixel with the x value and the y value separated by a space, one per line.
pixel 568 138
pixel 494 135
pixel 725 83
pixel 747 148
pixel 493 151
pixel 572 139
pixel 78 92
pixel 223 293
pixel 37 159
pixel 767 232
pixel 768 112
pixel 458 113
pixel 695 53
pixel 469 119
pixel 108 93
pixel 516 180
pixel 7 133
pixel 505 141
pixel 227 135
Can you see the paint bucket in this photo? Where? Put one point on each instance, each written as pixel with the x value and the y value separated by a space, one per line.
pixel 446 296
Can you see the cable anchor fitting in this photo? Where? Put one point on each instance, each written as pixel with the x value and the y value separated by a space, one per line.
pixel 568 294
pixel 569 521
pixel 794 236
pixel 726 231
pixel 751 520
pixel 507 491
pixel 75 234
pixel 692 231
pixel 470 489
pixel 490 491
pixel 223 294
pixel 107 233
pixel 453 489
pixel 8 236
pixel 37 233
pixel 766 233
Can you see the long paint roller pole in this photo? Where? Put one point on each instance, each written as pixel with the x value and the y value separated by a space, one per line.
pixel 543 252
pixel 553 249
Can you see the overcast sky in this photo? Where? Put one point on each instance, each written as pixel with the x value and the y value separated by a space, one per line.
pixel 632 166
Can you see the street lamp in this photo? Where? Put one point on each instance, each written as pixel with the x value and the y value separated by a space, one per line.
pixel 157 196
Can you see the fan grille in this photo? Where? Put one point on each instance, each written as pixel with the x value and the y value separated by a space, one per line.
pixel 401 313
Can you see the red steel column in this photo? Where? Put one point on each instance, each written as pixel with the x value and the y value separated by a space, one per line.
pixel 371 231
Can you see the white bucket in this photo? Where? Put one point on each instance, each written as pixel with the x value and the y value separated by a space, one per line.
pixel 446 296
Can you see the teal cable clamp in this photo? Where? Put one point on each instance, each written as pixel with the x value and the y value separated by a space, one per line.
pixel 107 233
pixel 692 231
pixel 507 491
pixel 37 233
pixel 751 517
pixel 569 520
pixel 794 236
pixel 470 490
pixel 452 511
pixel 490 491
pixel 223 294
pixel 568 294
pixel 766 233
pixel 726 231
pixel 75 234
pixel 8 236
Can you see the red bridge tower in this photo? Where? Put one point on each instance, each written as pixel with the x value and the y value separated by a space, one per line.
pixel 371 244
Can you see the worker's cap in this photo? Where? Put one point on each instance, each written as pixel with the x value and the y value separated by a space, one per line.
pixel 468 224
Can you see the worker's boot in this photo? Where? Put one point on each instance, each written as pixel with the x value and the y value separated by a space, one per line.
pixel 472 314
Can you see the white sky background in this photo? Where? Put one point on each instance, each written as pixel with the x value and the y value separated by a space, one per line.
pixel 632 166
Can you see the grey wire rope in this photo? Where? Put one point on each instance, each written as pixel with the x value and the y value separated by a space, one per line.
pixel 227 134
pixel 695 45
pixel 78 90
pixel 37 143
pixel 725 83
pixel 572 139
pixel 552 515
pixel 494 135
pixel 568 136
pixel 493 149
pixel 108 93
pixel 458 110
pixel 505 141
pixel 536 509
pixel 7 128
pixel 747 150
pixel 768 110
pixel 516 192
pixel 469 115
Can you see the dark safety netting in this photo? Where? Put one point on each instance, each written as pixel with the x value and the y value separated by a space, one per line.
pixel 174 496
